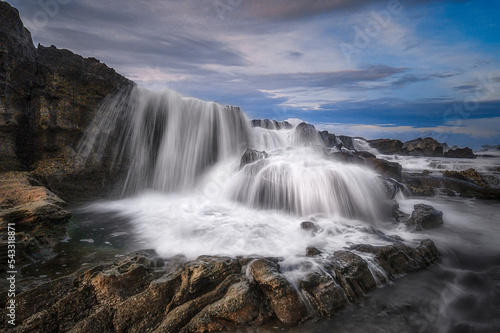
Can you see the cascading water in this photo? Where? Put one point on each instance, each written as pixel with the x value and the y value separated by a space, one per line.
pixel 168 140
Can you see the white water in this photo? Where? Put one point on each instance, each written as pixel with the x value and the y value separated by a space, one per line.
pixel 186 194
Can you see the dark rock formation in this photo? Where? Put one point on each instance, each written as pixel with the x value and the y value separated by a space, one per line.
pixel 271 124
pixel 47 99
pixel 387 146
pixel 365 154
pixel 423 147
pixel 252 155
pixel 460 153
pixel 428 185
pixel 347 157
pixel 386 168
pixel 38 216
pixel 329 139
pixel 425 217
pixel 310 226
pixel 306 135
pixel 142 293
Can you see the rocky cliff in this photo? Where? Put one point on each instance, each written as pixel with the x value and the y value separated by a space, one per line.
pixel 48 97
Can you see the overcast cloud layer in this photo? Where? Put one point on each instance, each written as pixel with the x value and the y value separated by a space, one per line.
pixel 399 69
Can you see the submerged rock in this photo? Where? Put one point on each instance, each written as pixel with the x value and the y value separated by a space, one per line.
pixel 425 217
pixel 141 293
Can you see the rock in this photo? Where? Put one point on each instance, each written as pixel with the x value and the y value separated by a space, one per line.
pixel 423 147
pixel 252 155
pixel 312 252
pixel 425 217
pixel 460 153
pixel 365 154
pixel 329 139
pixel 324 293
pixel 306 135
pixel 283 297
pixel 428 185
pixel 17 68
pixel 311 227
pixel 271 124
pixel 38 215
pixel 48 97
pixel 386 168
pixel 469 175
pixel 387 146
pixel 347 157
pixel 209 294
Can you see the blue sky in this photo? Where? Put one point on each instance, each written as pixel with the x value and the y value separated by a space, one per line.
pixel 393 69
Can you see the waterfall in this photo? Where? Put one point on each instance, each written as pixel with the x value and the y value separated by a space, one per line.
pixel 167 141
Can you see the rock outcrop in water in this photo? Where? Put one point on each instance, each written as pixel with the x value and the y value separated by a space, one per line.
pixel 143 293
pixel 48 97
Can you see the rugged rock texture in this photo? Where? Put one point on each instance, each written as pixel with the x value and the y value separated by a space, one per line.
pixel 387 146
pixel 17 68
pixel 425 217
pixel 470 175
pixel 460 153
pixel 428 185
pixel 47 99
pixel 142 293
pixel 37 214
pixel 329 139
pixel 386 168
pixel 271 124
pixel 423 147
pixel 252 155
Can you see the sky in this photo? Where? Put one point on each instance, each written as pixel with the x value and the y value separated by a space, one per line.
pixel 378 69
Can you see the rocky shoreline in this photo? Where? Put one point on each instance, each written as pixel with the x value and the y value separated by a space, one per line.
pixel 48 98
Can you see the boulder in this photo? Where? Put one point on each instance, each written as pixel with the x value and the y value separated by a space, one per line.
pixel 386 168
pixel 387 146
pixel 423 147
pixel 310 227
pixel 346 157
pixel 252 155
pixel 425 217
pixel 460 153
pixel 306 135
pixel 329 139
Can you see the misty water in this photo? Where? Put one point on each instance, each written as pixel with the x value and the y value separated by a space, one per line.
pixel 186 194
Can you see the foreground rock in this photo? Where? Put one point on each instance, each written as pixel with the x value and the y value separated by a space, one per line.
pixel 142 293
pixel 425 217
pixel 37 215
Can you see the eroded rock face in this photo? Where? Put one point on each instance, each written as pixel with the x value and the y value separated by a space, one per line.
pixel 271 124
pixel 143 293
pixel 37 214
pixel 48 97
pixel 252 155
pixel 386 168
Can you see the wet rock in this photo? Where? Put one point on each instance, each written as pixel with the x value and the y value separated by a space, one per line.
pixel 423 147
pixel 386 168
pixel 283 297
pixel 470 175
pixel 425 217
pixel 365 154
pixel 329 139
pixel 306 135
pixel 347 157
pixel 271 124
pixel 460 153
pixel 37 213
pixel 312 252
pixel 387 146
pixel 252 155
pixel 310 226
pixel 324 293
